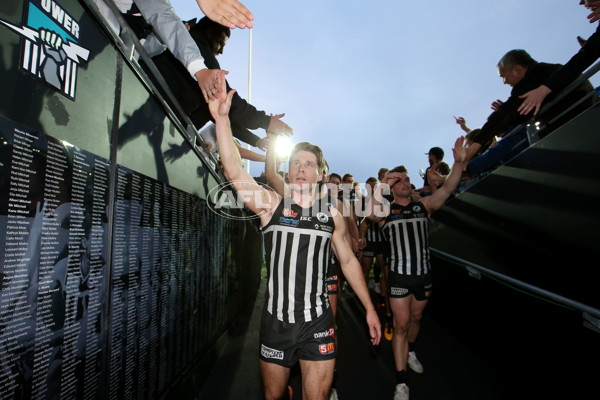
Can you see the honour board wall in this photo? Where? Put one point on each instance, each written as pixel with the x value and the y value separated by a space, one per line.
pixel 116 278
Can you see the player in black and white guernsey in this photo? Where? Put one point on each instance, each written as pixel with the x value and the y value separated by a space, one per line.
pixel 405 224
pixel 299 240
pixel 299 231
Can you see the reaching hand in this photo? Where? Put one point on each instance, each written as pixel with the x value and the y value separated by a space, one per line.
pixel 463 124
pixel 278 127
pixel 263 143
pixel 434 177
pixel 374 327
pixel 460 150
pixel 496 104
pixel 220 105
pixel 229 13
pixel 209 82
pixel 593 5
pixel 362 243
pixel 533 100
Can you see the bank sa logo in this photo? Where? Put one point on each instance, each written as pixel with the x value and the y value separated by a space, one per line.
pixel 49 45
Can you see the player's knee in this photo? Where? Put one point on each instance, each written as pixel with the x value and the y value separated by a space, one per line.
pixel 401 325
pixel 273 393
pixel 416 317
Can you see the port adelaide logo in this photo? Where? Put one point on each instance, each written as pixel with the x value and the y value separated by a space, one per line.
pixel 50 49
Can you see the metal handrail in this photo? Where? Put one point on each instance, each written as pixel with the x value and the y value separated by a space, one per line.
pixel 590 314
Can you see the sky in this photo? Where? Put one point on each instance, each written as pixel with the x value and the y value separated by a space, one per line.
pixel 378 86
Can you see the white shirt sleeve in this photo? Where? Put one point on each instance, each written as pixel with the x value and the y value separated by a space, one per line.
pixel 167 25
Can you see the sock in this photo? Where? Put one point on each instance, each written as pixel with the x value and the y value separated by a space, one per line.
pixel 411 346
pixel 401 377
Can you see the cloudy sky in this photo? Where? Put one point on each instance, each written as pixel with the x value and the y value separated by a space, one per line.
pixel 378 86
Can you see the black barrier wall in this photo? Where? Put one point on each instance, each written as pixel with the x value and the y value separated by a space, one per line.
pixel 116 277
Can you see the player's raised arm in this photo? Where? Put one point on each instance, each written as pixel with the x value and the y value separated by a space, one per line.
pixel 255 197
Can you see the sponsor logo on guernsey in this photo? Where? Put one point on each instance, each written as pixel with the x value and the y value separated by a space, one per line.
pixel 322 217
pixel 50 45
pixel 325 228
pixel 268 352
pixel 327 348
pixel 309 219
pixel 288 221
pixel 329 332
pixel 398 291
pixel 289 213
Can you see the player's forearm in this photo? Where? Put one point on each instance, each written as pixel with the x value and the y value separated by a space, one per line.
pixel 228 151
pixel 250 155
pixel 353 273
pixel 273 178
pixel 352 228
pixel 453 179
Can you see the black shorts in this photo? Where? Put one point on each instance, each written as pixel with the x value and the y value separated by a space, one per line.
pixel 374 248
pixel 403 285
pixel 284 344
pixel 332 279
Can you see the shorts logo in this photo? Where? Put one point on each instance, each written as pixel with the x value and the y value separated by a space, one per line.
pixel 267 352
pixel 50 50
pixel 327 348
pixel 332 287
pixel 329 332
pixel 398 291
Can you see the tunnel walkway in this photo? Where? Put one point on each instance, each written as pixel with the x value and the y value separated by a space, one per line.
pixel 363 371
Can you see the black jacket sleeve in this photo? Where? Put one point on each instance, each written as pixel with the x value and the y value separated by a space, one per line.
pixel 246 115
pixel 586 56
pixel 241 114
pixel 244 135
pixel 507 116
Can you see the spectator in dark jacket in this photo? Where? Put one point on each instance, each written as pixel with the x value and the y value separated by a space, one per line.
pixel 519 70
pixel 211 38
pixel 589 53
